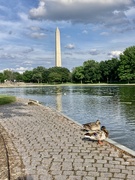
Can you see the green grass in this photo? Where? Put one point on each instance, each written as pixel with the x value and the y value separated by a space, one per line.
pixel 5 99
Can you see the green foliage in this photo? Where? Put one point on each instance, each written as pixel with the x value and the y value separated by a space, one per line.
pixel 54 77
pixel 91 71
pixel 58 74
pixel 109 70
pixel 126 70
pixel 27 76
pixel 37 77
pixel 1 78
pixel 4 99
pixel 8 75
pixel 17 76
pixel 78 74
pixel 40 74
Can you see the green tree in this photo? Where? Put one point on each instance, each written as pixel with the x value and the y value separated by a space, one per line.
pixel 45 74
pixel 1 78
pixel 37 77
pixel 78 74
pixel 109 70
pixel 62 73
pixel 40 74
pixel 17 76
pixel 127 65
pixel 113 66
pixel 91 71
pixel 8 75
pixel 65 74
pixel 27 76
pixel 54 77
pixel 104 69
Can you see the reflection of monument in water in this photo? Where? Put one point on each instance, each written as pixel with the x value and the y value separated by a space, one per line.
pixel 57 48
pixel 58 98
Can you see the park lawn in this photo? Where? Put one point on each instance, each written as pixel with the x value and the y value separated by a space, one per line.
pixel 5 99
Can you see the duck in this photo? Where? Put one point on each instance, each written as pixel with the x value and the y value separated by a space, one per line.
pixel 92 126
pixel 98 135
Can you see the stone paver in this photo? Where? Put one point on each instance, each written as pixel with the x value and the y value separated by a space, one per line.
pixel 45 145
pixel 3 160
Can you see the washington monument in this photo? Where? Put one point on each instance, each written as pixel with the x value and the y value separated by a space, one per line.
pixel 57 48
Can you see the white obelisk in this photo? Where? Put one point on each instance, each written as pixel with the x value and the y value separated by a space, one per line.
pixel 57 48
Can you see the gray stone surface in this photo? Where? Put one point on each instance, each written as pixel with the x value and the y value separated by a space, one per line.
pixel 45 145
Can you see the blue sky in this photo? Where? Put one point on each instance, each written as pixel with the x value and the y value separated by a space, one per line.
pixel 90 30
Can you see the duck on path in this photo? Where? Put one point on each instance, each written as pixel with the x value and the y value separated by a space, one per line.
pixel 92 126
pixel 98 135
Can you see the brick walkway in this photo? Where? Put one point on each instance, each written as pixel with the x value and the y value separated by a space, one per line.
pixel 44 145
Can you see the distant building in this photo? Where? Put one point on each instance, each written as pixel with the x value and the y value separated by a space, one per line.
pixel 57 48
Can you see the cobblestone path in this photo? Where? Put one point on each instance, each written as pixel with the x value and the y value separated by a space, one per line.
pixel 44 145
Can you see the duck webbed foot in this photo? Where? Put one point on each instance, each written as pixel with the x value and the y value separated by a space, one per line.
pixel 100 142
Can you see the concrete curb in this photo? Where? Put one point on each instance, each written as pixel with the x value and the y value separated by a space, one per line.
pixel 120 146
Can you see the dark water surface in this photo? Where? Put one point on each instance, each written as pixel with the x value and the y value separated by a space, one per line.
pixel 114 106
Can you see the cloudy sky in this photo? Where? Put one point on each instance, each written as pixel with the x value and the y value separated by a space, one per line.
pixel 90 30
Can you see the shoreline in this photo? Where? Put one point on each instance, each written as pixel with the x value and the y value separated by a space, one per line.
pixel 12 85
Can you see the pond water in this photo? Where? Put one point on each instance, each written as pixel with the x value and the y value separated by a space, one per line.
pixel 114 106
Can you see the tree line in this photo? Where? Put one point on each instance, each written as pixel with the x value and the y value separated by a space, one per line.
pixel 115 70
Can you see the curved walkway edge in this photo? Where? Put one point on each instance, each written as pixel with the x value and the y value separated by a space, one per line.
pixel 44 144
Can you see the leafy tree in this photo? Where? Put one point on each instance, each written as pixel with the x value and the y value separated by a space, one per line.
pixel 1 78
pixel 45 74
pixel 54 77
pixel 65 73
pixel 127 65
pixel 37 77
pixel 91 71
pixel 78 74
pixel 109 70
pixel 27 76
pixel 113 66
pixel 17 76
pixel 8 75
pixel 62 73
pixel 40 74
pixel 104 69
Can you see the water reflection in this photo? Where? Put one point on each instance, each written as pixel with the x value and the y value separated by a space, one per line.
pixel 59 98
pixel 113 105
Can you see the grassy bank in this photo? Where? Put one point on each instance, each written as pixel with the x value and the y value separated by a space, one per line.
pixel 4 99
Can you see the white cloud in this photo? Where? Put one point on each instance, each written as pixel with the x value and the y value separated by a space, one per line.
pixel 85 32
pixel 7 56
pixel 86 11
pixel 23 16
pixel 130 12
pixel 35 28
pixel 22 69
pixel 39 12
pixel 115 54
pixel 94 52
pixel 70 46
pixel 104 33
pixel 37 35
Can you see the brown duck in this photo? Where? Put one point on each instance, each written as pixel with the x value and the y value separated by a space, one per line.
pixel 93 126
pixel 98 135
